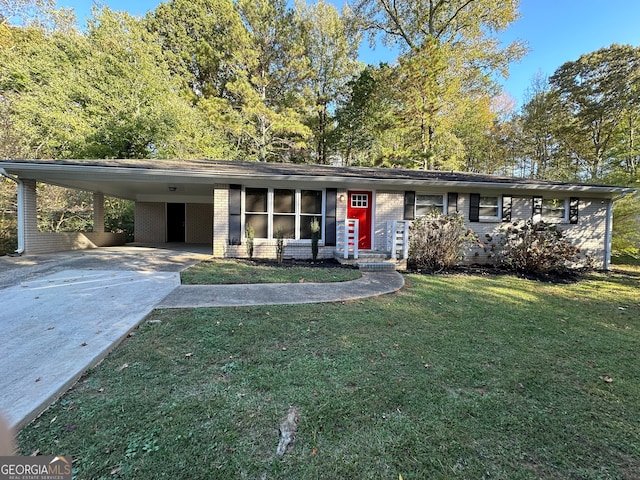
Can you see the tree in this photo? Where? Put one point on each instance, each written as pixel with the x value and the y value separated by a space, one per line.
pixel 135 106
pixel 39 92
pixel 36 13
pixel 331 47
pixel 597 92
pixel 201 41
pixel 106 93
pixel 538 141
pixel 449 53
pixel 356 119
pixel 268 87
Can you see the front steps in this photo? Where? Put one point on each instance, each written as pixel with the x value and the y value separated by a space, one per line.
pixel 373 262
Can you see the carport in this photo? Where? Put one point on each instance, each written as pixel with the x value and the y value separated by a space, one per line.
pixel 181 207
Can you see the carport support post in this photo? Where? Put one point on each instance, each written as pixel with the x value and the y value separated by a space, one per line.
pixel 98 212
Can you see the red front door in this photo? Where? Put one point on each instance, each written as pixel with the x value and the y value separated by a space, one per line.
pixel 360 208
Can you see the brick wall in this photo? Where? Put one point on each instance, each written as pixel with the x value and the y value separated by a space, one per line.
pixel 36 242
pixel 221 223
pixel 199 223
pixel 588 234
pixel 150 222
pixel 389 206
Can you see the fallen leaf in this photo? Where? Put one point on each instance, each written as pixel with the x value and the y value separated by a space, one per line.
pixel 51 328
pixel 426 365
pixel 83 344
pixel 301 280
pixel 188 355
pixel 38 379
pixel 382 355
pixel 607 379
pixel 101 390
pixel 314 452
pixel 116 470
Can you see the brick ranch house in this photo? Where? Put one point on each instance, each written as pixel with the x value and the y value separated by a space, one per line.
pixel 363 212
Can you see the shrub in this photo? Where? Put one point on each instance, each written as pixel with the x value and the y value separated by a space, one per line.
pixel 250 234
pixel 315 238
pixel 279 245
pixel 438 241
pixel 536 247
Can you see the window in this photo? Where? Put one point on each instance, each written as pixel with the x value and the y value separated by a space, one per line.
pixel 484 208
pixel 489 208
pixel 290 211
pixel 310 208
pixel 256 213
pixel 359 200
pixel 426 204
pixel 554 210
pixel 284 212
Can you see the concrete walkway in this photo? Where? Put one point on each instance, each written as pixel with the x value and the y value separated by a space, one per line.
pixel 62 313
pixel 196 296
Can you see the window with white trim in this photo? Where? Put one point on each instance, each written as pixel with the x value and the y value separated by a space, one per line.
pixel 554 209
pixel 310 209
pixel 256 212
pixel 426 204
pixel 291 211
pixel 489 207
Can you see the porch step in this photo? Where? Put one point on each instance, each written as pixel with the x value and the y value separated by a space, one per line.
pixel 376 266
pixel 363 257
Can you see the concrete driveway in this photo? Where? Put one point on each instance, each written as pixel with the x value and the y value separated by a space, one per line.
pixel 62 313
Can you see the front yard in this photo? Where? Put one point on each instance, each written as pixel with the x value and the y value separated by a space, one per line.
pixel 456 376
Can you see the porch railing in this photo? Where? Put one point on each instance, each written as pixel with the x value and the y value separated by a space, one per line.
pixel 398 239
pixel 347 238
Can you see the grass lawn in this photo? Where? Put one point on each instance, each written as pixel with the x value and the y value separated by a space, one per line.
pixel 212 272
pixel 456 376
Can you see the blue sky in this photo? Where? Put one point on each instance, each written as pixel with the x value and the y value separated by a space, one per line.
pixel 556 31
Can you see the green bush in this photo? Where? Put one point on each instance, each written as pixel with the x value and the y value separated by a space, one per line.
pixel 537 247
pixel 438 241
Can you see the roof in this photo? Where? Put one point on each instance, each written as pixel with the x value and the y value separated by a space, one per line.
pixel 146 179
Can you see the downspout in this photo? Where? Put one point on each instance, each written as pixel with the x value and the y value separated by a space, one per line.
pixel 20 196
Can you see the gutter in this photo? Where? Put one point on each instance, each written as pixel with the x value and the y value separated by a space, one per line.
pixel 20 196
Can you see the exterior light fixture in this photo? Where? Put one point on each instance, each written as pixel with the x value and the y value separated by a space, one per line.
pixel 172 188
